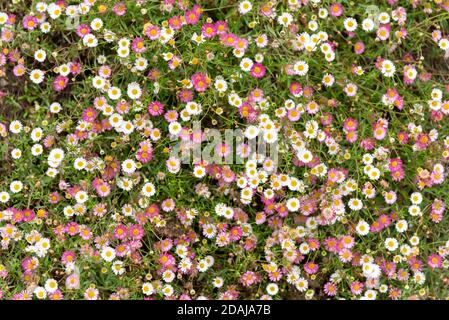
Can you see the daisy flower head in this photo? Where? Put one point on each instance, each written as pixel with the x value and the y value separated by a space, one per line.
pixel 391 244
pixel 37 76
pixel 40 55
pixel 285 19
pixel 272 289
pixel 129 166
pixel 350 24
pixel 134 91
pixel 355 204
pixel 148 189
pixel 388 68
pixel 362 228
pixel 336 9
pixel 108 254
pixel 301 68
pixel 245 7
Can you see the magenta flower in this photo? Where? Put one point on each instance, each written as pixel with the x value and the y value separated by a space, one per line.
pixel 155 108
pixel 138 45
pixel 30 23
pixel 200 81
pixel 209 30
pixel 120 9
pixel 153 32
pixel 336 9
pixel 258 70
pixel 60 83
pixel 82 30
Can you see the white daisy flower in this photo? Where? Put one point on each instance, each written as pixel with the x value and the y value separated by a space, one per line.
pixel 40 55
pixel 245 7
pixel 79 163
pixel 134 91
pixel 114 93
pixel 148 189
pixel 368 25
pixel 147 288
pixel 81 196
pixel 355 204
pixel 362 228
pixel 96 24
pixel 416 198
pixel 90 40
pixel 388 68
pixel 391 244
pixel 301 68
pixel 401 226
pixel 16 153
pixel 108 254
pixel 285 19
pixel 129 166
pixel 292 204
pixel 217 282
pixel 246 64
pixel 272 289
pixel 40 293
pixel 414 210
pixel 55 107
pixel 37 76
pixel 350 24
pixel 4 197
pixel 51 285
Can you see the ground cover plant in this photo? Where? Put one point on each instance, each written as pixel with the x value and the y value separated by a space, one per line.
pixel 118 179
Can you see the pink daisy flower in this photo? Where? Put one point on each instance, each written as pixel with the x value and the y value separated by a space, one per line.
pixel 82 30
pixel 296 89
pixel 168 205
pixel 155 108
pixel 120 9
pixel 330 289
pixel 192 17
pixel 120 232
pixel 258 70
pixel 175 23
pixel 138 45
pixel 136 232
pixel 228 39
pixel 89 114
pixel 221 27
pixel 200 81
pixel 293 115
pixel 209 30
pixel 222 149
pixel 30 23
pixel 153 32
pixel 336 9
pixel 167 260
pixel 60 83
pixel 171 115
pixel 19 70
pixel 357 288
pixel 104 189
pixel 311 267
pixel 75 68
pixel 359 47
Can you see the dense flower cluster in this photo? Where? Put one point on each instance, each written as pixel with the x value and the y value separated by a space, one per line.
pixel 95 203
